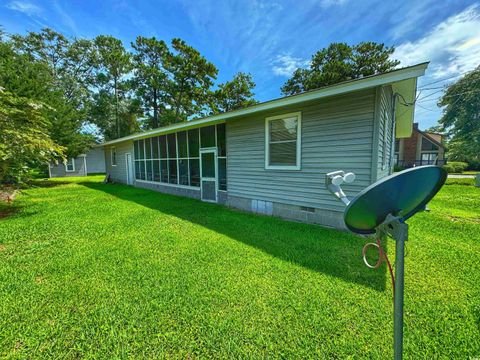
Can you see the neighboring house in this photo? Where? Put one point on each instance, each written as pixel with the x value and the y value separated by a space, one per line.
pixel 91 163
pixel 421 148
pixel 271 158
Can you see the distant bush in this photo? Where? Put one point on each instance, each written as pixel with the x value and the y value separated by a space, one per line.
pixel 398 168
pixel 473 165
pixel 464 181
pixel 455 167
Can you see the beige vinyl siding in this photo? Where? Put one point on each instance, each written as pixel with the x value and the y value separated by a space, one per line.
pixel 58 170
pixel 385 127
pixel 118 173
pixel 96 160
pixel 336 134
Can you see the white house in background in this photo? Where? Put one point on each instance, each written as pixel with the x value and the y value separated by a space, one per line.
pixel 272 157
pixel 92 162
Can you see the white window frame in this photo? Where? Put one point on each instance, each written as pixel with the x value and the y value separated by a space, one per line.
pixel 113 150
pixel 73 165
pixel 297 165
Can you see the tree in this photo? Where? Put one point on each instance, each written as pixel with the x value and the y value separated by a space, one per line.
pixel 64 86
pixel 190 77
pixel 24 137
pixel 339 62
pixel 234 94
pixel 150 78
pixel 461 117
pixel 104 114
pixel 114 63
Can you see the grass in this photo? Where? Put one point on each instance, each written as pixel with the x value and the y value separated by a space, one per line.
pixel 460 181
pixel 110 271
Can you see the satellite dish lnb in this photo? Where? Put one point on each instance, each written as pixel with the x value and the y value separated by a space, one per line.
pixel 349 177
pixel 382 209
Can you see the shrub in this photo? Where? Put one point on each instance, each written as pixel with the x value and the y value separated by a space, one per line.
pixel 467 181
pixel 455 167
pixel 449 168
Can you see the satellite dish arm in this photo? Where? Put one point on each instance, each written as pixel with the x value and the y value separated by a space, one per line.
pixel 338 192
pixel 333 180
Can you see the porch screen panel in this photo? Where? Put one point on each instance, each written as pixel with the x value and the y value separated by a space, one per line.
pixel 175 158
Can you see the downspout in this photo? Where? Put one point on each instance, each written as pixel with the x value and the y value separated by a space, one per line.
pixel 392 145
pixel 85 164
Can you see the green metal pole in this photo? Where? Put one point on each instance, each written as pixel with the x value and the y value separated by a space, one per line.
pixel 398 303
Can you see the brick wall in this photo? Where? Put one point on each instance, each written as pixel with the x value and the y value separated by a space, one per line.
pixel 410 147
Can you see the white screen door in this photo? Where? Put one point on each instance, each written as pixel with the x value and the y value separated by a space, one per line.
pixel 208 174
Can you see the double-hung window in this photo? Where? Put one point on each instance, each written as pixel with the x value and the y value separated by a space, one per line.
pixel 114 156
pixel 70 165
pixel 283 141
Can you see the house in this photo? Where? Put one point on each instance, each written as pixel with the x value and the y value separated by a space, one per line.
pixel 421 148
pixel 271 158
pixel 92 162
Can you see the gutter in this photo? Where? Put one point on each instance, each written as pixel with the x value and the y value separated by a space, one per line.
pixel 336 89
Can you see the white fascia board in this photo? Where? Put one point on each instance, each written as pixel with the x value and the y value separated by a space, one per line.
pixel 341 88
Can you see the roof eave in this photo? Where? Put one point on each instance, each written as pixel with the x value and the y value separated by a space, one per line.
pixel 337 89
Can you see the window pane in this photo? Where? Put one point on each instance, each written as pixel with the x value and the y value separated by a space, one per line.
pixel 207 136
pixel 172 146
pixel 283 129
pixel 164 171
pixel 208 165
pixel 155 147
pixel 283 153
pixel 193 144
pixel 148 149
pixel 70 165
pixel 428 145
pixel 138 172
pixel 397 145
pixel 172 171
pixel 182 144
pixel 222 174
pixel 194 172
pixel 142 169
pixel 156 170
pixel 163 146
pixel 149 170
pixel 183 170
pixel 142 149
pixel 136 150
pixel 222 150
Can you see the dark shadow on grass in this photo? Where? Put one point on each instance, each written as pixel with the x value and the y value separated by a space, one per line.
pixel 320 249
pixel 6 211
pixel 46 183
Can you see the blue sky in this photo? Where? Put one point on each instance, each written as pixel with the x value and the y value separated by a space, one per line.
pixel 269 39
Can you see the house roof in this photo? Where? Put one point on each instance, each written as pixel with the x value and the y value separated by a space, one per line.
pixel 400 77
pixel 433 140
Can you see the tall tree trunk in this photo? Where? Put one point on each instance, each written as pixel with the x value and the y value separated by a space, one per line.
pixel 155 110
pixel 117 123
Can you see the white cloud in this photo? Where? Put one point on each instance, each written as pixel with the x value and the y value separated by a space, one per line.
pixel 285 64
pixel 66 19
pixel 328 3
pixel 411 15
pixel 24 7
pixel 453 46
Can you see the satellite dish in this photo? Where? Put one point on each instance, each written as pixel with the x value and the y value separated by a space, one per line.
pixel 382 209
pixel 402 195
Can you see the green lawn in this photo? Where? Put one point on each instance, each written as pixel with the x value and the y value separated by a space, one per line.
pixel 110 271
